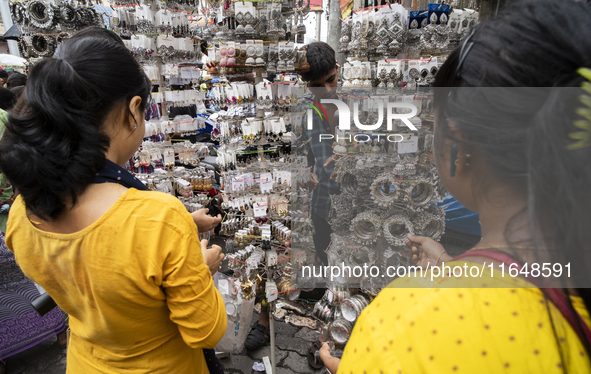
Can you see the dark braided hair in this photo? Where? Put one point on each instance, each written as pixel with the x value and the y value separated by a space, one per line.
pixel 55 140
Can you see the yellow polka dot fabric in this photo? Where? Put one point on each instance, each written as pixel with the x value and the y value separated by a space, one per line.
pixel 504 326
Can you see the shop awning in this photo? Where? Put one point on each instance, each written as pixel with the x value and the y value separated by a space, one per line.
pixel 11 61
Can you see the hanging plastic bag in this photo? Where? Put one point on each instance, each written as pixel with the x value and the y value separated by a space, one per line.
pixel 239 312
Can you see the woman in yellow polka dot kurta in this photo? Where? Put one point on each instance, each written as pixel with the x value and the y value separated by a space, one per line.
pixel 463 330
pixel 510 156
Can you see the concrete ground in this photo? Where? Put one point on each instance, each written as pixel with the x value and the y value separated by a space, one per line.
pixel 292 344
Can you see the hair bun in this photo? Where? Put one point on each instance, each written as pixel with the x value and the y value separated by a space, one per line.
pixel 55 141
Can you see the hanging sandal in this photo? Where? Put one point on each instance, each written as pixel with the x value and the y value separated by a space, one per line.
pixel 258 337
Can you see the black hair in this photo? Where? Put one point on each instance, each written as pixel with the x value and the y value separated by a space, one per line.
pixel 322 60
pixel 3 73
pixel 16 79
pixel 18 91
pixel 520 136
pixel 97 32
pixel 7 98
pixel 55 139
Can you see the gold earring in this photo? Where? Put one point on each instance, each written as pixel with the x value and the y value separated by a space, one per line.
pixel 468 156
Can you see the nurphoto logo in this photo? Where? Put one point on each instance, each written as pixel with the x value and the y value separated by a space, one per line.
pixel 345 114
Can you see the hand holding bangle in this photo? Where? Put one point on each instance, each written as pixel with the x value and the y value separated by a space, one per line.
pixel 426 252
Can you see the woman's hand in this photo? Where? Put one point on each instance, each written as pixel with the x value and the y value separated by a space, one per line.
pixel 204 222
pixel 331 363
pixel 426 252
pixel 212 257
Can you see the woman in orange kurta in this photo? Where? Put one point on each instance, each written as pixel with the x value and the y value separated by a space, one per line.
pixel 125 264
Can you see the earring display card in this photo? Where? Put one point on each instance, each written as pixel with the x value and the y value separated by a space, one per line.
pixel 163 17
pixel 455 19
pixel 167 41
pixel 413 70
pixel 424 68
pixel 408 145
pixel 220 14
pixel 438 10
pixel 259 210
pixel 266 182
pixel 283 91
pixel 169 155
pixel 237 185
pixel 418 18
pixel 389 66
